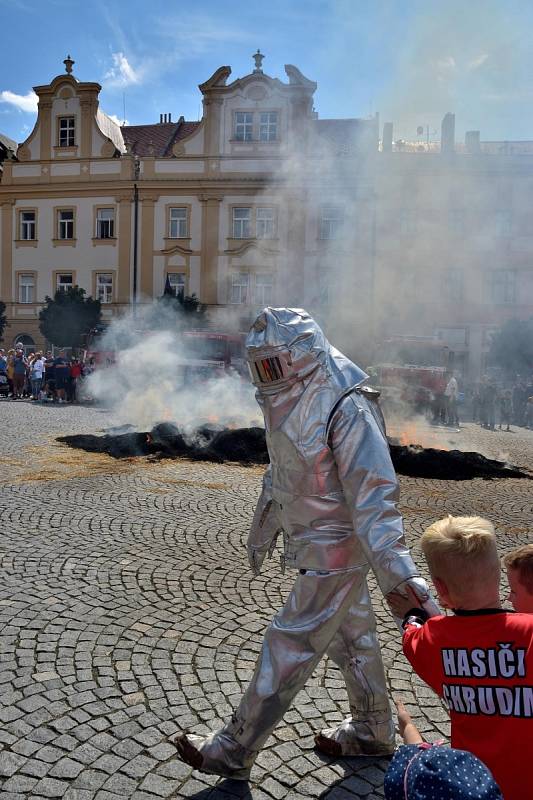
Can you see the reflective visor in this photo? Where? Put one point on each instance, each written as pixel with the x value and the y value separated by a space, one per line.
pixel 268 370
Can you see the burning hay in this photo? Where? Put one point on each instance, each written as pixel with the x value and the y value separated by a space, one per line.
pixel 248 446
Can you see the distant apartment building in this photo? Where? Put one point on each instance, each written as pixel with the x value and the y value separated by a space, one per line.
pixel 263 203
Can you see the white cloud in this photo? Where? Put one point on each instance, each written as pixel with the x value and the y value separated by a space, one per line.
pixel 24 102
pixel 118 120
pixel 122 73
pixel 477 62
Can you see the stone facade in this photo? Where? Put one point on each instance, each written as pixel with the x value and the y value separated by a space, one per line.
pixel 261 202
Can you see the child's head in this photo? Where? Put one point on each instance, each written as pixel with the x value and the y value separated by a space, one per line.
pixel 519 565
pixel 425 771
pixel 463 561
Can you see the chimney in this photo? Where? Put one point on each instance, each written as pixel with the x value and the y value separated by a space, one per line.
pixel 447 136
pixel 160 118
pixel 170 117
pixel 472 142
pixel 386 144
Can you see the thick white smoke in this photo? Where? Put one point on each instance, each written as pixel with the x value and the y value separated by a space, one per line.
pixel 146 385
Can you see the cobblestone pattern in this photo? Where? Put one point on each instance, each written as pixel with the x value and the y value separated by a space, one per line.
pixel 127 612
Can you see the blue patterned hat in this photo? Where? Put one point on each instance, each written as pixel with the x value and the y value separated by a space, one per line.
pixel 426 772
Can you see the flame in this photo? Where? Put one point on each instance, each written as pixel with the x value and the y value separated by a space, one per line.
pixel 412 431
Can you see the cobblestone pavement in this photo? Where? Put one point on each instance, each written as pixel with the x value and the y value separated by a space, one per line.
pixel 127 612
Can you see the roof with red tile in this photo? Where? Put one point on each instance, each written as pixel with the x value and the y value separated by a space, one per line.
pixel 156 140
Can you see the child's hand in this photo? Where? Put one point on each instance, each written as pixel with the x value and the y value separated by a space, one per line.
pixel 402 602
pixel 408 730
pixel 404 717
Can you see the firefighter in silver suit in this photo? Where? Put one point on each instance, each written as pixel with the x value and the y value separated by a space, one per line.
pixel 331 492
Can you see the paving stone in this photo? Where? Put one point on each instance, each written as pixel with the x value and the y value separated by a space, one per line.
pixel 10 763
pixel 50 787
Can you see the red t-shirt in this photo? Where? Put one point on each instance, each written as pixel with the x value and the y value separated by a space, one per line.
pixel 75 370
pixel 481 664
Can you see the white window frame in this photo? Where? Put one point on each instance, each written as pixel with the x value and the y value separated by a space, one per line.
pixel 104 287
pixel 503 286
pixel 65 226
pixel 177 282
pixel 241 223
pixel 268 126
pixel 263 289
pixel 330 222
pixel 63 286
pixel 178 222
pixel 28 226
pixel 504 223
pixel 239 288
pixel 408 222
pixel 265 222
pixel 105 223
pixel 67 131
pixel 26 287
pixel 243 126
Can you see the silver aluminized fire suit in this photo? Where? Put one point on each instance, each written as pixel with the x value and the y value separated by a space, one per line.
pixel 331 490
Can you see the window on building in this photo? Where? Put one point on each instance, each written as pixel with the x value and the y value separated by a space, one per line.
pixel 67 131
pixel 265 222
pixel 178 223
pixel 28 225
pixel 408 222
pixel 242 223
pixel 104 287
pixel 456 221
pixel 331 219
pixel 453 285
pixel 504 223
pixel 240 284
pixel 244 126
pixel 268 126
pixel 105 223
pixel 65 224
pixel 503 286
pixel 177 283
pixel 64 281
pixel 26 288
pixel 264 287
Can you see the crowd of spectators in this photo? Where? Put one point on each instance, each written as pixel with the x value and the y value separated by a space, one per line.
pixel 492 404
pixel 41 377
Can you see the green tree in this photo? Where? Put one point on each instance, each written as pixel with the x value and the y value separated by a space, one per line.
pixel 187 310
pixel 3 319
pixel 512 347
pixel 68 317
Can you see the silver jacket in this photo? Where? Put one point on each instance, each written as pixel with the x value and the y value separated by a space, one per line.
pixel 331 487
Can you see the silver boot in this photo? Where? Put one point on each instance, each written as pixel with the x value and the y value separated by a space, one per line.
pixel 359 737
pixel 217 754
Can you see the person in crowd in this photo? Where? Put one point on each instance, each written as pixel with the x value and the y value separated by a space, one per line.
pixel 36 375
pixel 519 402
pixel 20 367
pixel 506 409
pixel 480 659
pixel 50 376
pixel 331 488
pixel 10 370
pixel 475 403
pixel 488 397
pixel 451 394
pixel 3 362
pixel 528 417
pixel 423 771
pixel 75 375
pixel 62 376
pixel 519 566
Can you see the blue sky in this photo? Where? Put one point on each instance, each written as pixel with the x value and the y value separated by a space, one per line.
pixel 410 60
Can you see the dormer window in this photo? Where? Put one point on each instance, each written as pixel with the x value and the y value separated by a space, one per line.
pixel 67 131
pixel 244 126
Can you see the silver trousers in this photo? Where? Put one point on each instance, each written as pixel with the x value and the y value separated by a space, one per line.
pixel 330 614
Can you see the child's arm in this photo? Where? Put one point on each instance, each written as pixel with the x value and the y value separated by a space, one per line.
pixel 408 730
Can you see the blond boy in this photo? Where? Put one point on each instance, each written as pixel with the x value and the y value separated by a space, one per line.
pixel 519 566
pixel 480 659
